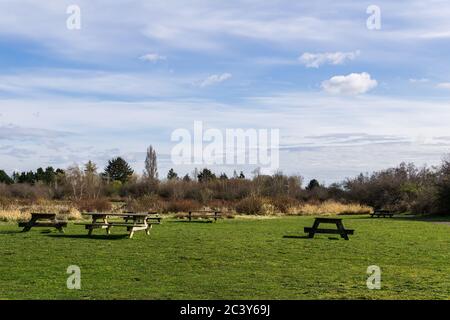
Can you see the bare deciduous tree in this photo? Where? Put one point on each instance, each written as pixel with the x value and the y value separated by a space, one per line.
pixel 93 180
pixel 75 179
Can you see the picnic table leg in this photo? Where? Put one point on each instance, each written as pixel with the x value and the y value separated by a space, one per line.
pixel 131 232
pixel 91 228
pixel 313 229
pixel 190 216
pixel 147 231
pixel 108 229
pixel 341 228
pixel 30 224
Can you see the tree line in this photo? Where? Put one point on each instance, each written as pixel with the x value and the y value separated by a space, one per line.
pixel 404 188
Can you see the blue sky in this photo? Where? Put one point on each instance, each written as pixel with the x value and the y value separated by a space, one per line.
pixel 345 98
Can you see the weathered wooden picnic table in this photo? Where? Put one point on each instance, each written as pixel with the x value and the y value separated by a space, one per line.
pixel 382 214
pixel 43 220
pixel 102 221
pixel 208 214
pixel 337 221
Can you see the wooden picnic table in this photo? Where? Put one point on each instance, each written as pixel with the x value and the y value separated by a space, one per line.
pixel 101 220
pixel 209 214
pixel 43 220
pixel 382 214
pixel 339 228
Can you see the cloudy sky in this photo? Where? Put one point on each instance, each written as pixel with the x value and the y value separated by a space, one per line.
pixel 346 98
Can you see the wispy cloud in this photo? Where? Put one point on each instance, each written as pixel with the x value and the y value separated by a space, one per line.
pixel 88 83
pixel 15 132
pixel 215 79
pixel 443 85
pixel 315 60
pixel 420 80
pixel 153 57
pixel 352 84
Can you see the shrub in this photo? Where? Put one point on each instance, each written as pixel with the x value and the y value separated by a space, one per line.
pixel 250 205
pixel 145 204
pixel 139 188
pixel 90 205
pixel 182 206
pixel 283 203
pixel 29 192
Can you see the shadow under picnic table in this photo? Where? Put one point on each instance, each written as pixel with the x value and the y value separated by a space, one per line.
pixel 91 237
pixel 306 237
pixel 295 237
pixel 11 231
pixel 192 221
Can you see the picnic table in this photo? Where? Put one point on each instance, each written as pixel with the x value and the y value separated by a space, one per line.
pixel 208 214
pixel 132 222
pixel 382 214
pixel 43 220
pixel 339 228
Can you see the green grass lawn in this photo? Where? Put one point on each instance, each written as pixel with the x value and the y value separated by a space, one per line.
pixel 230 259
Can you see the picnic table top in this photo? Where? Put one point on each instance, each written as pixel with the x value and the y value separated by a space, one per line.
pixel 42 214
pixel 149 213
pixel 115 214
pixel 323 219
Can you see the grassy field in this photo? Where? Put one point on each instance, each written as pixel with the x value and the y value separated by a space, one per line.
pixel 230 259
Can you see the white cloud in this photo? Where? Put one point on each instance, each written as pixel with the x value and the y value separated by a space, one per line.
pixel 152 57
pixel 444 85
pixel 421 80
pixel 214 79
pixel 85 82
pixel 352 84
pixel 315 60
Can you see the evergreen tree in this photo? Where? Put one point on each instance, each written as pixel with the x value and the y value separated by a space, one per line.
pixel 206 175
pixel 313 184
pixel 4 178
pixel 118 170
pixel 223 176
pixel 49 175
pixel 172 175
pixel 27 177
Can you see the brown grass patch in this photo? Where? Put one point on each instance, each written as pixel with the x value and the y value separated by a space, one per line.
pixel 329 208
pixel 16 211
